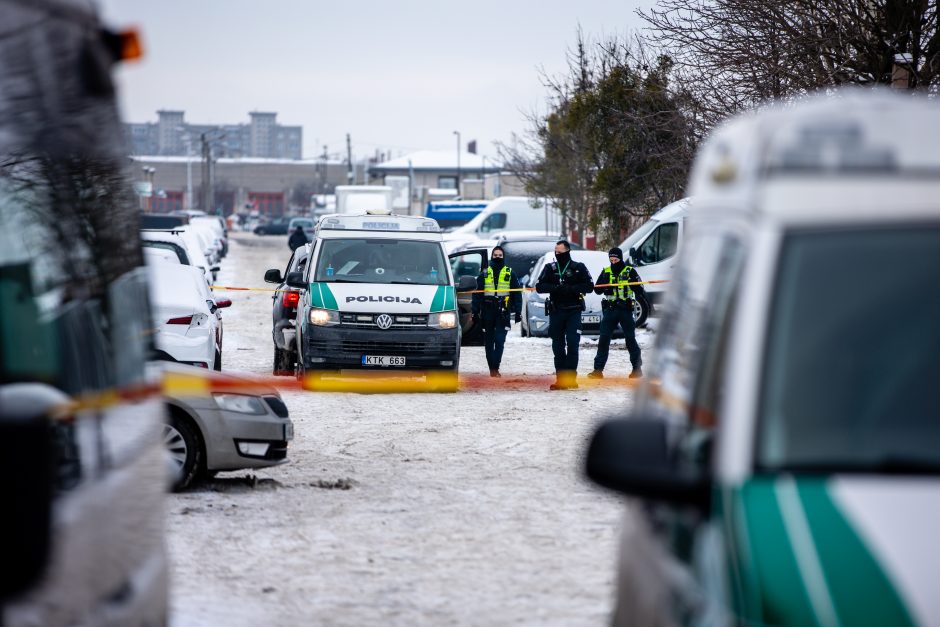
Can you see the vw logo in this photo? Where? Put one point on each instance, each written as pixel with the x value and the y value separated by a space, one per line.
pixel 384 321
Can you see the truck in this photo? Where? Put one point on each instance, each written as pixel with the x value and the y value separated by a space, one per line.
pixel 358 198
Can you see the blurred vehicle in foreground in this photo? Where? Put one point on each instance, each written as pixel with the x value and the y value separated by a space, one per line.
pixel 82 465
pixel 786 438
pixel 534 319
pixel 244 424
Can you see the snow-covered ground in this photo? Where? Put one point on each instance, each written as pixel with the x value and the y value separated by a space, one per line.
pixel 405 509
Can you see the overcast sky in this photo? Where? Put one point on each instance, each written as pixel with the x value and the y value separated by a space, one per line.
pixel 398 76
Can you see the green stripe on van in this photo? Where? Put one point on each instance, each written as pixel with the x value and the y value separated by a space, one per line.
pixel 438 303
pixel 316 299
pixel 329 301
pixel 449 298
pixel 861 591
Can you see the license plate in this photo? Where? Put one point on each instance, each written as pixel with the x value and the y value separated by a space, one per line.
pixel 382 360
pixel 289 431
pixel 591 319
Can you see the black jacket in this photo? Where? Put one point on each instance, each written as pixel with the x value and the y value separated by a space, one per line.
pixel 566 292
pixel 480 300
pixel 633 277
pixel 297 239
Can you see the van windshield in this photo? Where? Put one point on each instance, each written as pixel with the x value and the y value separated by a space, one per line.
pixel 381 261
pixel 853 358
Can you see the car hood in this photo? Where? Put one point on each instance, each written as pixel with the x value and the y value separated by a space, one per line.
pixel 379 298
pixel 845 550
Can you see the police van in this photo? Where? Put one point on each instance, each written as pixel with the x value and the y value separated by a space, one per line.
pixel 380 295
pixel 787 436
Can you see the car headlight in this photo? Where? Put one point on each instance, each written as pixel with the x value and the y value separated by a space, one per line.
pixel 240 403
pixel 443 320
pixel 323 317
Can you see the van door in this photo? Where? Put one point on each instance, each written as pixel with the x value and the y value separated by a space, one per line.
pixel 466 265
pixel 655 257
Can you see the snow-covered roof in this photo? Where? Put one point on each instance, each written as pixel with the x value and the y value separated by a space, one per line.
pixel 246 160
pixel 436 160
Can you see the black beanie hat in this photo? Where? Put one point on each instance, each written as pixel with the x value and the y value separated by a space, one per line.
pixel 615 252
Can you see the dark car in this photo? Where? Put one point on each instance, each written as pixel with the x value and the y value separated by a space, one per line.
pixel 284 312
pixel 277 226
pixel 523 253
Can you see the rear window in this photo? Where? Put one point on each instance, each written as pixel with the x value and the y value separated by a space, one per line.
pixel 853 354
pixel 155 221
pixel 522 256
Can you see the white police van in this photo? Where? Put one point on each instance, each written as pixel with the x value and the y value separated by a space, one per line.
pixel 379 294
pixel 787 438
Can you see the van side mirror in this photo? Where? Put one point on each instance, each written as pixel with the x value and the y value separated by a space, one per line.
pixel 631 456
pixel 633 257
pixel 273 276
pixel 27 464
pixel 296 279
pixel 466 284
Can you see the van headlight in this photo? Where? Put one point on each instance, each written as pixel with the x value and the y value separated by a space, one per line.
pixel 323 317
pixel 443 320
pixel 239 403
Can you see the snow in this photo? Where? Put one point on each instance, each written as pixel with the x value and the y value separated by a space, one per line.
pixel 465 508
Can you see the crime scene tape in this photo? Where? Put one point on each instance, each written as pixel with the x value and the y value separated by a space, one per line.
pixel 515 289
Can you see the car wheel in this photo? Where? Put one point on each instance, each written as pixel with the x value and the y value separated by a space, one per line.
pixel 641 311
pixel 182 445
pixel 217 364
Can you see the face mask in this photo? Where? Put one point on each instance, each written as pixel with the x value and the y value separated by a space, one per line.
pixel 563 259
pixel 497 262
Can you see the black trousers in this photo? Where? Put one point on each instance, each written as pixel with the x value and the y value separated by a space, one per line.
pixel 564 327
pixel 495 323
pixel 612 318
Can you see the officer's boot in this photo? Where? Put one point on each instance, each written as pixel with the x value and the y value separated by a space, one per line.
pixel 596 374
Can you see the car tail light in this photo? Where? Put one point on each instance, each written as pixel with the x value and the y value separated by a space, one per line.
pixel 187 320
pixel 291 299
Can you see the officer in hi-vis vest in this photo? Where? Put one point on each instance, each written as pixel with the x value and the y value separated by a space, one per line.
pixel 494 303
pixel 618 311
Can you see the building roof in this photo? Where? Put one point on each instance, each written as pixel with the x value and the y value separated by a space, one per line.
pixel 436 160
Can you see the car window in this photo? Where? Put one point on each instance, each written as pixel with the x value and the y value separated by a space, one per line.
pixel 852 369
pixel 176 250
pixel 690 332
pixel 493 222
pixel 660 245
pixel 290 264
pixel 522 256
pixel 362 260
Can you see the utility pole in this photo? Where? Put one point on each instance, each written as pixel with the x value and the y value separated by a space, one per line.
pixel 206 183
pixel 350 176
pixel 324 157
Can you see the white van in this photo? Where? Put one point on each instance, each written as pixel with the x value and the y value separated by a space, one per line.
pixel 378 294
pixel 509 214
pixel 654 247
pixel 786 438
pixel 359 198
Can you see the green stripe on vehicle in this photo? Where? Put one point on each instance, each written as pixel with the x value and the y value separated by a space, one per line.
pixel 438 303
pixel 862 592
pixel 449 298
pixel 329 301
pixel 780 597
pixel 316 299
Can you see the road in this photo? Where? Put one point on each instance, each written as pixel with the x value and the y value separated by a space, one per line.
pixel 404 509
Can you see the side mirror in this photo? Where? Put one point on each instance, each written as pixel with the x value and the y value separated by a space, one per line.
pixel 466 284
pixel 213 306
pixel 215 269
pixel 27 463
pixel 273 276
pixel 296 279
pixel 222 303
pixel 633 257
pixel 630 456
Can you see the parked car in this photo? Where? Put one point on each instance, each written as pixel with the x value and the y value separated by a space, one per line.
pixel 82 465
pixel 217 226
pixel 209 239
pixel 534 320
pixel 183 244
pixel 284 314
pixel 307 224
pixel 785 438
pixel 277 226
pixel 244 424
pixel 187 325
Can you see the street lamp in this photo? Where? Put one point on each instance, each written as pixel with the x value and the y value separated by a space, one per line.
pixel 186 137
pixel 457 133
pixel 148 176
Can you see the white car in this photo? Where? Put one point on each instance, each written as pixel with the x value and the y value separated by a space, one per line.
pixel 210 242
pixel 217 226
pixel 186 325
pixel 185 245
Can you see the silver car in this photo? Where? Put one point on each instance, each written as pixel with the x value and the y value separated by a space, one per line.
pixel 238 423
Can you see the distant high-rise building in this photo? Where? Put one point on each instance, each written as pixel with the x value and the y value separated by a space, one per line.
pixel 261 137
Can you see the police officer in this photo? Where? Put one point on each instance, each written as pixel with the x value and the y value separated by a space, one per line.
pixel 566 282
pixel 617 310
pixel 494 301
